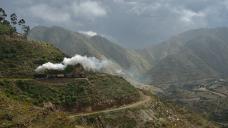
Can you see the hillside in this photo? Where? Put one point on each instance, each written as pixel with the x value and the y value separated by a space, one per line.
pixel 73 43
pixel 29 103
pixel 96 92
pixel 19 57
pixel 149 115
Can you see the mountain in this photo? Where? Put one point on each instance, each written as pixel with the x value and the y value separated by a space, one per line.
pixel 193 55
pixel 72 43
pixel 99 100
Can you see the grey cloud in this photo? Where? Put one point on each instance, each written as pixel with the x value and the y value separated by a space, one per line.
pixel 132 23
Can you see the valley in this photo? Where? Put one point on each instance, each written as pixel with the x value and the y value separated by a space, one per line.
pixel 208 97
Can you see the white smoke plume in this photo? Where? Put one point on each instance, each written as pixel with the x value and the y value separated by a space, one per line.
pixel 50 66
pixel 88 63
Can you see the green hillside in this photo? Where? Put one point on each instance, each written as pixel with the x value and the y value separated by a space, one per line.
pixel 73 95
pixel 19 57
pixel 15 113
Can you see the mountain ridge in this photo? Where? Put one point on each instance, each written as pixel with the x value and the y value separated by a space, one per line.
pixel 72 43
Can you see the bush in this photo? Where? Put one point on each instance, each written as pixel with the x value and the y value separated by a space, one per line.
pixel 5 29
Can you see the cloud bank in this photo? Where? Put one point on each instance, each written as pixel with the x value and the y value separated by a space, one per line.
pixel 132 23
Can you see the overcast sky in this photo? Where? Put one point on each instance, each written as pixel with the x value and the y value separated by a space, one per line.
pixel 131 23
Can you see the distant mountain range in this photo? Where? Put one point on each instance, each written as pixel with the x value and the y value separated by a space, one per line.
pixel 192 55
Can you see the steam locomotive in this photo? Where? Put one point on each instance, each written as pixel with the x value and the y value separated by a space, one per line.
pixel 76 71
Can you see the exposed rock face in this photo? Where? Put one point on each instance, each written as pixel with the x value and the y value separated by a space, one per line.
pixel 49 106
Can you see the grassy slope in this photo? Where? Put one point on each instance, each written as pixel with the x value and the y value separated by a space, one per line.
pixel 98 92
pixel 155 114
pixel 19 57
pixel 15 114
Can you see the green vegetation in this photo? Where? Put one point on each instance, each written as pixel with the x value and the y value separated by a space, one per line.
pixel 15 114
pixel 19 57
pixel 10 27
pixel 5 29
pixel 75 94
pixel 113 87
pixel 38 93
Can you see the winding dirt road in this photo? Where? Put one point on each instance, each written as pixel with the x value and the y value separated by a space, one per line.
pixel 145 99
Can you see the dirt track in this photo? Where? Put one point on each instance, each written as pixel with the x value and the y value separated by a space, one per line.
pixel 145 99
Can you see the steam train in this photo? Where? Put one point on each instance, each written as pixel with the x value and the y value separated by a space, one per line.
pixel 76 71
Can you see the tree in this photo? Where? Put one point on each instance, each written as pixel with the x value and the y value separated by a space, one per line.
pixel 2 15
pixel 26 30
pixel 13 18
pixel 21 22
pixel 12 25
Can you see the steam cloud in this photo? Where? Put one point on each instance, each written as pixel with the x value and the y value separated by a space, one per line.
pixel 88 63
